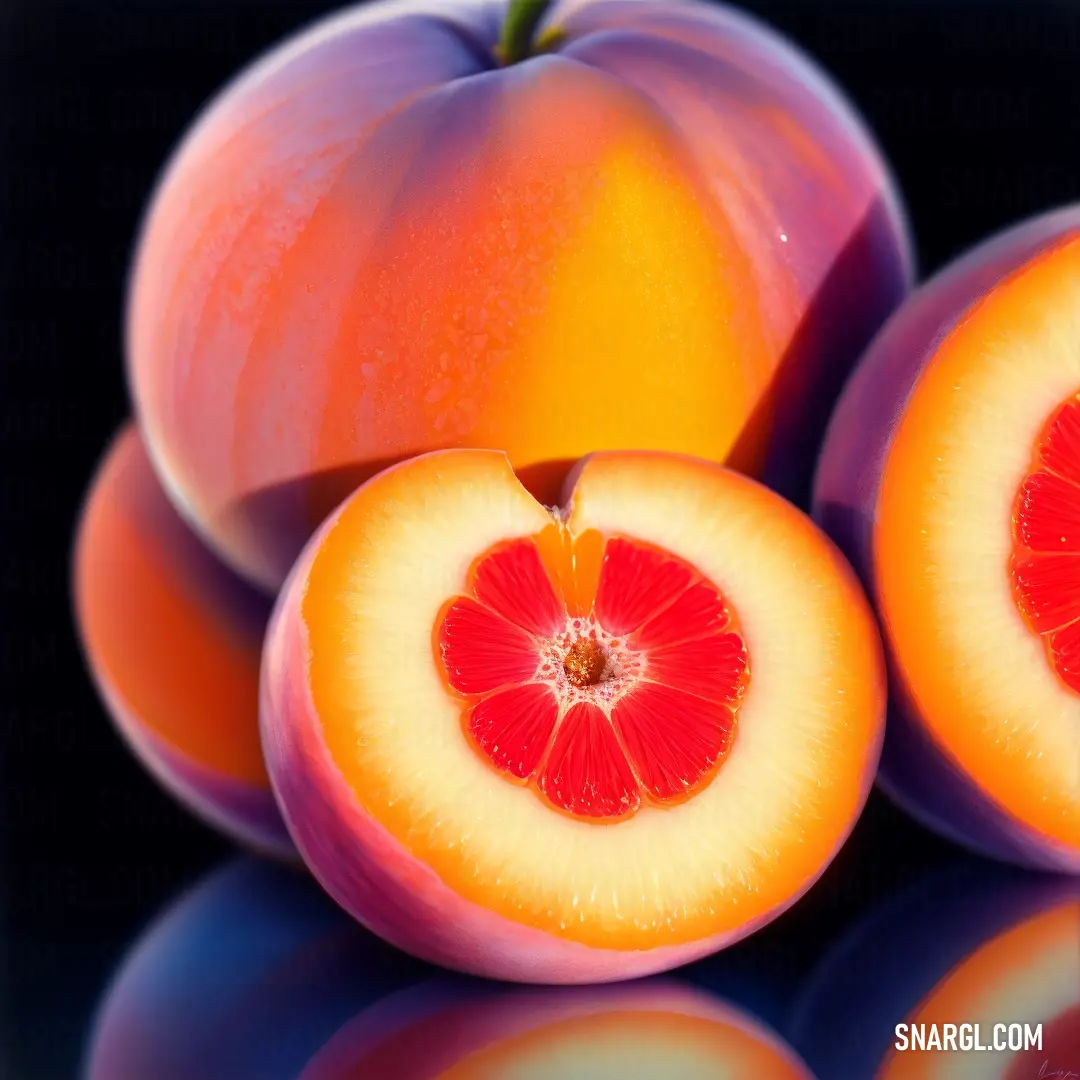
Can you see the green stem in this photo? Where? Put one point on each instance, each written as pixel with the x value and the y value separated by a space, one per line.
pixel 522 19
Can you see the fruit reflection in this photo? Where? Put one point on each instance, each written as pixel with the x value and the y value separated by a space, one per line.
pixel 254 975
pixel 974 945
pixel 240 978
pixel 653 1028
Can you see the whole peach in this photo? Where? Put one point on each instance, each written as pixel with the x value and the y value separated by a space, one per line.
pixel 173 641
pixel 423 226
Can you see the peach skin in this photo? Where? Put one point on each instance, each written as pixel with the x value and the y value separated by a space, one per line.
pixel 547 231
pixel 173 640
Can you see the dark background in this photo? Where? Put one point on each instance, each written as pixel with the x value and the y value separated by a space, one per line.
pixel 977 105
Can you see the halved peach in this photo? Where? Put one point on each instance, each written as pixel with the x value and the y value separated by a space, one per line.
pixel 173 641
pixel 951 477
pixel 569 745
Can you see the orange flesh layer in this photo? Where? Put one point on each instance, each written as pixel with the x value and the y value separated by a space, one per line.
pixel 1046 543
pixel 604 674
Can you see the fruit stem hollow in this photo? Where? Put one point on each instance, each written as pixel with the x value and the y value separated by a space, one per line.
pixel 519 29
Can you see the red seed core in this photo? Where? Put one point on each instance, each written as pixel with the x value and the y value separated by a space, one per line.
pixel 604 675
pixel 1045 564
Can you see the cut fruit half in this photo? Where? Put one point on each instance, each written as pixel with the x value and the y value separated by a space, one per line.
pixel 951 475
pixel 569 745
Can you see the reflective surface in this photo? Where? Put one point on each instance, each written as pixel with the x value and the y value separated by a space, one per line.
pixel 245 969
pixel 197 963
pixel 253 973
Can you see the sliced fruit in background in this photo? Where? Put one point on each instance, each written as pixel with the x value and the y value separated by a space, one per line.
pixel 575 745
pixel 173 639
pixel 975 944
pixel 951 478
pixel 654 1028
pixel 380 241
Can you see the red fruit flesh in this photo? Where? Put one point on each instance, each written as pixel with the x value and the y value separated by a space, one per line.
pixel 1046 542
pixel 514 728
pixel 634 700
pixel 636 584
pixel 586 772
